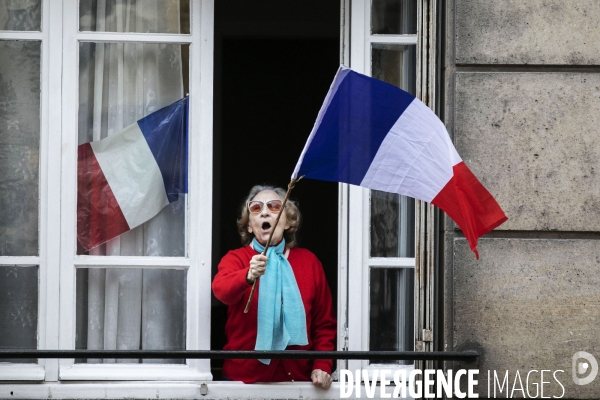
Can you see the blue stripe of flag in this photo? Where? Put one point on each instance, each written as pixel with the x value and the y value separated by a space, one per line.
pixel 358 118
pixel 166 132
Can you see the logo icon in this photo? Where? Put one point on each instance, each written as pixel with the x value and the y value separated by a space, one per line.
pixel 584 364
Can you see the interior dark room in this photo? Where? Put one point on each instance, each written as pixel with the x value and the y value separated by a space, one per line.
pixel 274 62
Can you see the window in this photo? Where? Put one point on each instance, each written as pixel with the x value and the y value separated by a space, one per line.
pixel 379 230
pixel 142 289
pixel 74 71
pixel 23 222
pixel 70 73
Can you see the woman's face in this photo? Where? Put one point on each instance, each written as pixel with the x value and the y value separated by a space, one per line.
pixel 261 224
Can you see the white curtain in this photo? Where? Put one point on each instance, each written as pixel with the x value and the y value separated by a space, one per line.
pixel 121 83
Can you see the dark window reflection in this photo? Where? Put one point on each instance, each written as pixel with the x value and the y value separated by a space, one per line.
pixel 394 17
pixel 19 310
pixel 391 302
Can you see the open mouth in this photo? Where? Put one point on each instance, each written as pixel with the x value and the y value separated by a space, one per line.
pixel 266 226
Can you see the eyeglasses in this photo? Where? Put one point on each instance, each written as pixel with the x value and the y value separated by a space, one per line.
pixel 256 206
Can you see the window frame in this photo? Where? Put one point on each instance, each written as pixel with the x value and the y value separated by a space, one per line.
pixel 56 261
pixel 48 214
pixel 197 261
pixel 355 207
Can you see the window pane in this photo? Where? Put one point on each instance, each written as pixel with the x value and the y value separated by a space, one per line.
pixel 395 64
pixel 391 311
pixel 18 309
pixel 130 309
pixel 20 15
pixel 19 147
pixel 393 17
pixel 392 225
pixel 142 16
pixel 393 216
pixel 120 83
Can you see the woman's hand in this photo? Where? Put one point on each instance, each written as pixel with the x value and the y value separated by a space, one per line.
pixel 258 266
pixel 320 378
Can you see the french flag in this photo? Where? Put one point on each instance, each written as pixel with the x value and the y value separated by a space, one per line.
pixel 127 178
pixel 372 134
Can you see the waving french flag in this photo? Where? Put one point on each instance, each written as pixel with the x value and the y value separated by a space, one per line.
pixel 372 134
pixel 127 178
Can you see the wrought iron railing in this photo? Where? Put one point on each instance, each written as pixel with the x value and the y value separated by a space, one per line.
pixel 227 354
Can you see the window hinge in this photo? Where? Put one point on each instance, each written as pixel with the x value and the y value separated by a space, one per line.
pixel 427 335
pixel 345 338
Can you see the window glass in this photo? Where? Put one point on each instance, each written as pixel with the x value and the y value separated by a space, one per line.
pixel 119 84
pixel 19 147
pixel 392 225
pixel 18 309
pixel 20 15
pixel 392 218
pixel 130 309
pixel 141 16
pixel 395 64
pixel 393 17
pixel 391 301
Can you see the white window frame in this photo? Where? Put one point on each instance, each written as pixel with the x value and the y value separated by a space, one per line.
pixel 48 206
pixel 355 212
pixel 57 262
pixel 198 237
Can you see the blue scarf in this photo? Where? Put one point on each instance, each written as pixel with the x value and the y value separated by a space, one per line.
pixel 281 314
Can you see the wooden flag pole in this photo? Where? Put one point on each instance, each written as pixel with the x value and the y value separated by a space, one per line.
pixel 287 194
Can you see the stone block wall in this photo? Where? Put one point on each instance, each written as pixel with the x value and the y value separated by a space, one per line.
pixel 522 103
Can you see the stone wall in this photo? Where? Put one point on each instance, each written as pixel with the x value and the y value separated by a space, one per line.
pixel 522 103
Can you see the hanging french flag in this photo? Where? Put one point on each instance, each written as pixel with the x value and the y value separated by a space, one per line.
pixel 372 134
pixel 127 178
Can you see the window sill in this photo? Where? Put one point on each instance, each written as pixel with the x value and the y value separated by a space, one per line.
pixel 168 390
pixel 131 372
pixel 21 372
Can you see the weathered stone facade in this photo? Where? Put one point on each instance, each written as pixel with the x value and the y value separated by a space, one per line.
pixel 522 102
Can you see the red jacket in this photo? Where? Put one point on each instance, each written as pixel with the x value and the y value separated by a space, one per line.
pixel 231 288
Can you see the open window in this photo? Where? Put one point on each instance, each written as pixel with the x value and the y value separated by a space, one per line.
pixel 386 242
pixel 274 62
pixel 78 71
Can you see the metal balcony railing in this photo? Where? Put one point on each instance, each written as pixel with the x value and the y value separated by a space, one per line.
pixel 227 354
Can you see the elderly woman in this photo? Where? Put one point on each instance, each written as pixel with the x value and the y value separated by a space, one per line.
pixel 292 307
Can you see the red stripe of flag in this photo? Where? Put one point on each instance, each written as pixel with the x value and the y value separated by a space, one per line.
pixel 470 205
pixel 99 216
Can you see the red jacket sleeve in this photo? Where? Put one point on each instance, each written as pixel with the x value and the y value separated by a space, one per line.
pixel 230 282
pixel 324 325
